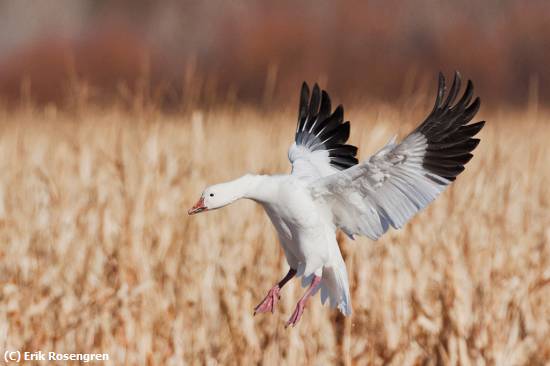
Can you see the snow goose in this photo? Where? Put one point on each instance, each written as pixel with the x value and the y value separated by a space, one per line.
pixel 328 189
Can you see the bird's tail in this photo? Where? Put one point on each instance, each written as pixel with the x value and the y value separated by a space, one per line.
pixel 335 287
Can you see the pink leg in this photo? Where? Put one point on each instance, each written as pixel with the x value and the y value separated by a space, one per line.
pixel 300 306
pixel 270 301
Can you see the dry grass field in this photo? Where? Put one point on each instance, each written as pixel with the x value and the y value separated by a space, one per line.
pixel 98 254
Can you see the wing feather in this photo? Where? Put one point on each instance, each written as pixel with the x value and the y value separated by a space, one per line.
pixel 319 147
pixel 401 179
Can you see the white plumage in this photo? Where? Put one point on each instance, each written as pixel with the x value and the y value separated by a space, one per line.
pixel 328 189
pixel 388 189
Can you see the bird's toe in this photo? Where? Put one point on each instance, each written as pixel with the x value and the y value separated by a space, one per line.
pixel 269 302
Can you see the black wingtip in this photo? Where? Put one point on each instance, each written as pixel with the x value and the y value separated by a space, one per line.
pixel 453 92
pixel 440 92
pixel 315 100
pixel 446 129
pixel 324 112
pixel 303 106
pixel 304 94
pixel 458 74
pixel 319 129
pixel 476 127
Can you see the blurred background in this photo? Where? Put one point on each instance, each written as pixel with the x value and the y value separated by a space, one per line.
pixel 254 52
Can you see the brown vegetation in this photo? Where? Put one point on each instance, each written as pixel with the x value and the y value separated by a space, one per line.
pixel 99 255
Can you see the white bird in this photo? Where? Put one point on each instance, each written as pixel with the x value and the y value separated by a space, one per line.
pixel 328 189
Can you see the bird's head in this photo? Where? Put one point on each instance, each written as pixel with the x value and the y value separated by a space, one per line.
pixel 216 196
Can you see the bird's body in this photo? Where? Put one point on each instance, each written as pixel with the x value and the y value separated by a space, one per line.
pixel 299 221
pixel 307 235
pixel 328 189
pixel 305 230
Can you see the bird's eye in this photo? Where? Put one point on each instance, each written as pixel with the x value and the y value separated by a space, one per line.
pixel 211 194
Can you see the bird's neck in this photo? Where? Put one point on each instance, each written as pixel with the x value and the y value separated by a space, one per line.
pixel 259 188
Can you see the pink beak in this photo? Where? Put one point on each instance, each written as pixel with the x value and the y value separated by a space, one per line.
pixel 198 207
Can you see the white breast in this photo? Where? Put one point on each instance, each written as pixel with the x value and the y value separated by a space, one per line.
pixel 301 224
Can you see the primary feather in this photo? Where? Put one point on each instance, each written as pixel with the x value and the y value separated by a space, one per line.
pixel 401 179
pixel 320 147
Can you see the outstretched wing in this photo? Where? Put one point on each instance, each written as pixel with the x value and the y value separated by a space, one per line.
pixel 319 147
pixel 401 179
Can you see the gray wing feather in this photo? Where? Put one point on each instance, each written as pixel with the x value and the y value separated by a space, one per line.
pixel 401 179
